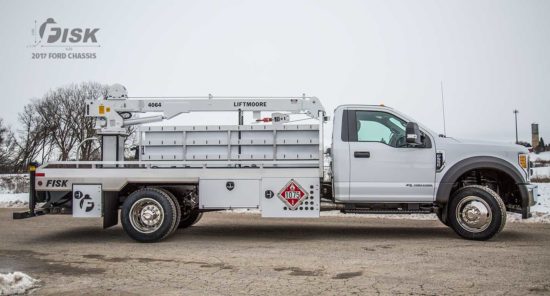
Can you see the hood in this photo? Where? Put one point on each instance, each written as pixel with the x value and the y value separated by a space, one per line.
pixel 482 145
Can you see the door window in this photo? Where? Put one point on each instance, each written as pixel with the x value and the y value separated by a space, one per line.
pixel 382 127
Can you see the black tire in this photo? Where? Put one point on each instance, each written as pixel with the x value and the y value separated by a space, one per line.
pixel 199 217
pixel 158 199
pixel 481 213
pixel 191 219
pixel 178 208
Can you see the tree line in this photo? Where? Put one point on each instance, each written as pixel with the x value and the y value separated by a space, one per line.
pixel 51 128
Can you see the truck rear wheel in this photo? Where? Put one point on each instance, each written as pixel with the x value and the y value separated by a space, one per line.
pixel 150 214
pixel 476 212
pixel 190 219
pixel 178 209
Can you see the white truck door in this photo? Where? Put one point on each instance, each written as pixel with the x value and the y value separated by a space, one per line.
pixel 383 168
pixel 340 156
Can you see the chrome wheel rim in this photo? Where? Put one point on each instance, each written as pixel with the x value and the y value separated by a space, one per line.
pixel 146 215
pixel 474 214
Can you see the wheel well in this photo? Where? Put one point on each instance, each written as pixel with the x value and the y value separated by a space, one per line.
pixel 500 182
pixel 178 190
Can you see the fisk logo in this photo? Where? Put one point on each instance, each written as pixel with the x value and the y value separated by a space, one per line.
pixel 52 33
pixel 56 183
pixel 86 202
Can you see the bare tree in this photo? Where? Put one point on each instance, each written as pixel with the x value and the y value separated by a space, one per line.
pixel 3 131
pixel 53 127
pixel 31 141
pixel 5 140
pixel 62 113
pixel 84 127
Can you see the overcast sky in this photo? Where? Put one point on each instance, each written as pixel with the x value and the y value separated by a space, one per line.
pixel 492 56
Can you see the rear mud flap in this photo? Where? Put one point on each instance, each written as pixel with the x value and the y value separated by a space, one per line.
pixel 110 209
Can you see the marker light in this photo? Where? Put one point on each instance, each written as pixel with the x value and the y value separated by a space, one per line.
pixel 523 160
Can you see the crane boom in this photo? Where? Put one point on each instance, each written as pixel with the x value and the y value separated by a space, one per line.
pixel 111 111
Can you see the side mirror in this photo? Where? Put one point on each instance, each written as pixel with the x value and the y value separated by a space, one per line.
pixel 413 134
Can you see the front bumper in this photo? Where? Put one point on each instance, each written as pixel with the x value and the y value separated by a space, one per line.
pixel 533 194
pixel 529 195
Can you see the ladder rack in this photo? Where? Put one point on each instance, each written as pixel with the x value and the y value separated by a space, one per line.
pixel 230 142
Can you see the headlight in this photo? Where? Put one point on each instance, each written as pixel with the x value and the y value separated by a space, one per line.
pixel 523 160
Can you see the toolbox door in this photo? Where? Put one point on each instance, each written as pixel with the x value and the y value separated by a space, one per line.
pixel 228 193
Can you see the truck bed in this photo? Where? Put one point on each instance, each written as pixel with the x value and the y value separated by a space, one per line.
pixel 113 176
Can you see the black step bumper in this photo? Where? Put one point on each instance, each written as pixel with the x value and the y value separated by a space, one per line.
pixel 27 214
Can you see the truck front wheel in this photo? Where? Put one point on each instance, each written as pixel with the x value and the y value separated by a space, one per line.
pixel 150 214
pixel 476 212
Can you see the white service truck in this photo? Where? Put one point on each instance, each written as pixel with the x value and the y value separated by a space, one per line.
pixel 380 161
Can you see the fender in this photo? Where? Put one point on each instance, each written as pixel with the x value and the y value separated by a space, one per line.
pixel 478 162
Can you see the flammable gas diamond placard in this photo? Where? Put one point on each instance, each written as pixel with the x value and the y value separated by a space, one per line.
pixel 292 194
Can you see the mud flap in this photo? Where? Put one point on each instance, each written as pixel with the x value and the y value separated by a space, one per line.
pixel 526 198
pixel 110 209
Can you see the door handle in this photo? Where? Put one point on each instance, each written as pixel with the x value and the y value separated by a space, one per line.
pixel 361 154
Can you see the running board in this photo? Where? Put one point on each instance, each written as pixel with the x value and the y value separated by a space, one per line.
pixel 370 211
pixel 411 208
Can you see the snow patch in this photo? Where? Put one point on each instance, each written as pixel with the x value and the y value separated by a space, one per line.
pixel 14 200
pixel 540 156
pixel 540 211
pixel 541 172
pixel 16 283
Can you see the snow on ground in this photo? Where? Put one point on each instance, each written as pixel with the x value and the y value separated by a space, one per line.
pixel 16 283
pixel 540 156
pixel 541 211
pixel 541 172
pixel 12 190
pixel 14 197
pixel 14 200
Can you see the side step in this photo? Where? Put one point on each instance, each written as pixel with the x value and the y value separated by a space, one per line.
pixel 372 211
pixel 403 208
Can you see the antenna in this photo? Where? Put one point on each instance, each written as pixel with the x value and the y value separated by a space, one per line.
pixel 443 107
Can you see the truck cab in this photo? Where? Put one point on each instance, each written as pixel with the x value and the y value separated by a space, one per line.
pixel 372 161
pixel 383 161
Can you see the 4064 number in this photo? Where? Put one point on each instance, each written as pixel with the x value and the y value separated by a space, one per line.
pixel 154 104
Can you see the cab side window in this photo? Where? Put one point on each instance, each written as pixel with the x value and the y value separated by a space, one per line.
pixel 382 127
